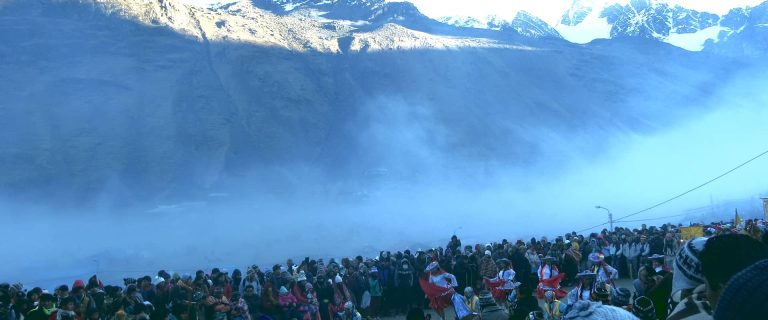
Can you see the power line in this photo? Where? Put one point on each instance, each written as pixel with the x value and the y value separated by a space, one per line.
pixel 590 228
pixel 679 195
pixel 659 218
pixel 695 188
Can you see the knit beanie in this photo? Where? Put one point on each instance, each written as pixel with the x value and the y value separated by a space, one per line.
pixel 621 297
pixel 587 310
pixel 687 265
pixel 744 297
pixel 486 299
pixel 644 309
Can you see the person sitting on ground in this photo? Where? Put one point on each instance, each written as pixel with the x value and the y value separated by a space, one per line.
pixel 553 308
pixel 525 303
pixel 489 310
pixel 350 313
pixel 471 300
pixel 644 309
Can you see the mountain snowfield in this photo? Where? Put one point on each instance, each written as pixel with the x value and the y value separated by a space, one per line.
pixel 581 22
pixel 588 20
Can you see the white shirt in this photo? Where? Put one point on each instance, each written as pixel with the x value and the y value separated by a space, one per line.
pixel 546 272
pixel 509 279
pixel 443 279
pixel 573 296
pixel 631 250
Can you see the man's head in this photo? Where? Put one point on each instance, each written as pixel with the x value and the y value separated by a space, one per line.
pixel 67 304
pixel 46 300
pixel 549 296
pixel 62 291
pixel 726 255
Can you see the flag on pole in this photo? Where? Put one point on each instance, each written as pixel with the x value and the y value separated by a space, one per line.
pixel 737 220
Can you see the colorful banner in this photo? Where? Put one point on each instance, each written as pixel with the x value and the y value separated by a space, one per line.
pixel 688 233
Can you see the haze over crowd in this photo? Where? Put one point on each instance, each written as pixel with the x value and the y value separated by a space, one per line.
pixel 411 179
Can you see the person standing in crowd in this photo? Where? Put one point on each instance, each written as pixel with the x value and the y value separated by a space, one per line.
pixel 504 283
pixel 645 249
pixel 631 250
pixel 44 309
pixel 534 260
pixel 687 276
pixel 341 295
pixel 660 290
pixel 462 272
pixel 376 291
pixel 404 283
pixel 703 283
pixel 557 250
pixel 605 273
pixel 614 252
pixel 488 268
pixel 237 281
pixel 439 288
pixel 570 264
pixel 549 279
pixel 252 279
pixel 722 257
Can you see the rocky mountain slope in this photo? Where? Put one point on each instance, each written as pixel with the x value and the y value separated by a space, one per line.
pixel 126 100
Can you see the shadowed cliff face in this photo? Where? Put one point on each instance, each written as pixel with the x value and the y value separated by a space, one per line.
pixel 117 128
pixel 99 107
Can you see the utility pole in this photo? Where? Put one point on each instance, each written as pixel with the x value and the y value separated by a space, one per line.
pixel 610 216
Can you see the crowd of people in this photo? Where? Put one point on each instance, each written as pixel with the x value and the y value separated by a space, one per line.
pixel 722 274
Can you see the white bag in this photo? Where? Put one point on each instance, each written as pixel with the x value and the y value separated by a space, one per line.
pixel 366 300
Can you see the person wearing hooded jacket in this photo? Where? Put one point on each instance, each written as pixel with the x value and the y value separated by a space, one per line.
pixel 404 284
pixel 488 268
pixel 341 296
pixel 44 309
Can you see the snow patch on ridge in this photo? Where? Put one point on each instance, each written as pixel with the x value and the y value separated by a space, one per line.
pixel 694 41
pixel 593 27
